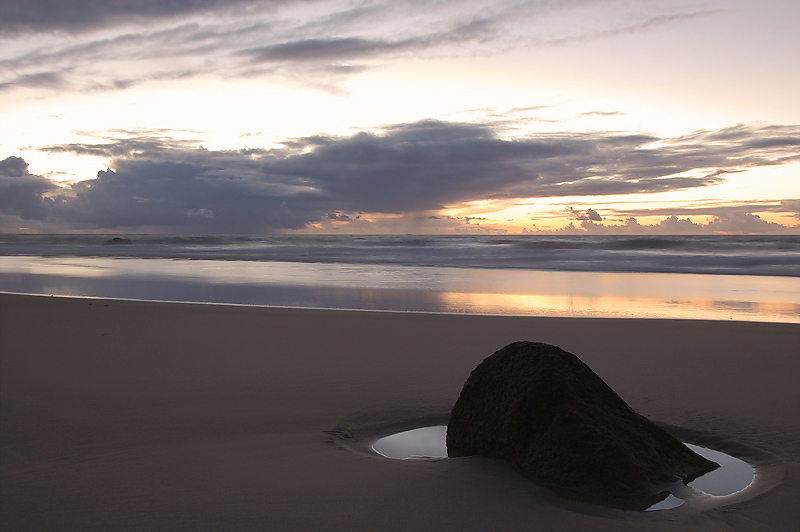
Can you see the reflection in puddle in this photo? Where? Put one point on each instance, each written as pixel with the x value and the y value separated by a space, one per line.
pixel 667 504
pixel 425 442
pixel 731 477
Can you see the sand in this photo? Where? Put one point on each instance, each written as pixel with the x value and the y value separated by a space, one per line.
pixel 124 415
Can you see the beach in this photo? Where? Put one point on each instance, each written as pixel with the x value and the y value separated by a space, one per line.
pixel 136 415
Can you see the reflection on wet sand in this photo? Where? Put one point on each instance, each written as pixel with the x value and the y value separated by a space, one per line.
pixel 617 306
pixel 410 288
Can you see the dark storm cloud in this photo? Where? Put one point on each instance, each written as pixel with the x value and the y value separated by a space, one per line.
pixel 13 167
pixel 162 183
pixel 418 167
pixel 21 193
pixel 186 197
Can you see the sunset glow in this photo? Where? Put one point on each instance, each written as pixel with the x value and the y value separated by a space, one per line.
pixel 400 117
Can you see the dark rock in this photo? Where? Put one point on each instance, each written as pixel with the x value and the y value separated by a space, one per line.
pixel 547 412
pixel 116 241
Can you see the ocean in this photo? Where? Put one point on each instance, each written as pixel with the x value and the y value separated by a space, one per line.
pixel 695 277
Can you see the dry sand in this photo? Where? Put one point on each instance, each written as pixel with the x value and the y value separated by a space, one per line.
pixel 121 415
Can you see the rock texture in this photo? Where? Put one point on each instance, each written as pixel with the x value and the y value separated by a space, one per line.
pixel 547 412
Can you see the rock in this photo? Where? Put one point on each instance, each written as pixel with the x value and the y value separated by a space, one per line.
pixel 116 241
pixel 548 413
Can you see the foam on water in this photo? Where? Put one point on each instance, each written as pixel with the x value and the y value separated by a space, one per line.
pixel 717 254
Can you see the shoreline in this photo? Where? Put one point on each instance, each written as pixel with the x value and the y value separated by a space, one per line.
pixel 388 311
pixel 417 289
pixel 152 415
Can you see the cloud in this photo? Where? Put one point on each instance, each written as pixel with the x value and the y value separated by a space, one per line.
pixel 13 167
pixel 649 21
pixel 47 80
pixel 325 49
pixel 429 164
pixel 82 15
pixel 22 193
pixel 142 143
pixel 745 223
pixel 713 208
pixel 600 113
pixel 792 206
pixel 339 217
pixel 88 45
pixel 188 198
pixel 407 169
pixel 587 215
pixel 728 223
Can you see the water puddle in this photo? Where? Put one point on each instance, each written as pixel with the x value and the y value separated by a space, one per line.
pixel 733 475
pixel 424 442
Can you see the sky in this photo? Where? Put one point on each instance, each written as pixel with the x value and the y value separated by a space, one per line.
pixel 400 116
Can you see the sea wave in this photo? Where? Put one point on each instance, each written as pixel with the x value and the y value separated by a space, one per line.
pixel 722 254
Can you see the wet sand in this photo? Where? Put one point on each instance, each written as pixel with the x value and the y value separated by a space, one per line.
pixel 124 415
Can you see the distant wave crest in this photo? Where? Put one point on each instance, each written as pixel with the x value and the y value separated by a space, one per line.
pixel 720 254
